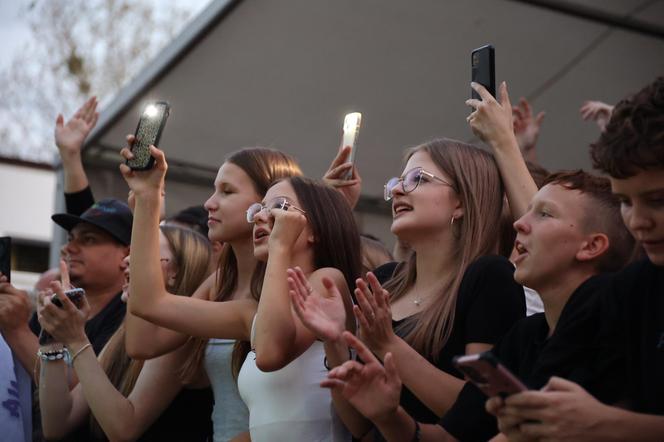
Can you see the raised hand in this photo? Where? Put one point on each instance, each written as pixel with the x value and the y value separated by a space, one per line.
pixel 374 315
pixel 373 389
pixel 336 176
pixel 148 181
pixel 491 121
pixel 526 128
pixel 598 112
pixel 15 307
pixel 70 136
pixel 67 323
pixel 322 313
pixel 287 227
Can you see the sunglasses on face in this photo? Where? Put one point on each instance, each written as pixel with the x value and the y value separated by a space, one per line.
pixel 409 181
pixel 277 203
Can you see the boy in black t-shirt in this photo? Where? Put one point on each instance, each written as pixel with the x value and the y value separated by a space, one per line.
pixel 631 313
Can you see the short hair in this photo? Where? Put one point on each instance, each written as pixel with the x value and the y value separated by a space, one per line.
pixel 602 215
pixel 634 138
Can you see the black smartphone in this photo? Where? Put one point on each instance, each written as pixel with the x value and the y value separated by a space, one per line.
pixel 488 374
pixel 76 296
pixel 483 69
pixel 6 257
pixel 148 132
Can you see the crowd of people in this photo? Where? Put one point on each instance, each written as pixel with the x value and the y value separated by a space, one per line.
pixel 266 315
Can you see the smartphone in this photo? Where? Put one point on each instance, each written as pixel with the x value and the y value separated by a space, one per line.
pixel 148 132
pixel 6 257
pixel 74 295
pixel 352 123
pixel 489 375
pixel 483 69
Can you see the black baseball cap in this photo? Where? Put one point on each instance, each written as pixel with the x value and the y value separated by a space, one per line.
pixel 112 216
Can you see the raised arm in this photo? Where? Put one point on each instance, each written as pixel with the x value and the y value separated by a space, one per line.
pixel 69 138
pixel 336 174
pixel 492 122
pixel 149 298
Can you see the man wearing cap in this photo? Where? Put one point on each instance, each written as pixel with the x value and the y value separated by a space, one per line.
pixel 98 242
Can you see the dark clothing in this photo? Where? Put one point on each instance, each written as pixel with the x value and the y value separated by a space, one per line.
pixel 489 302
pixel 99 328
pixel 528 352
pixel 78 202
pixel 188 418
pixel 632 322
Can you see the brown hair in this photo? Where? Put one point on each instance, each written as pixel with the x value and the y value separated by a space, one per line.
pixel 191 255
pixel 374 253
pixel 602 216
pixel 476 180
pixel 634 138
pixel 265 167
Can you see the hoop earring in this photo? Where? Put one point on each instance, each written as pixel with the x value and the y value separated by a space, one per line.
pixel 452 221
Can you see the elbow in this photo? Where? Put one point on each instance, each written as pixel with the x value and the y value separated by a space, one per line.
pixel 270 361
pixel 138 352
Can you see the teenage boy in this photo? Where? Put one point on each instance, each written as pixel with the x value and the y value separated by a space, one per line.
pixel 631 314
pixel 98 243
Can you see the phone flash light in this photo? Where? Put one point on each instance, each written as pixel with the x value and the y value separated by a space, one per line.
pixel 151 110
pixel 352 122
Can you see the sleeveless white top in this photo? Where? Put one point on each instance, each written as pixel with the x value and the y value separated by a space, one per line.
pixel 230 416
pixel 289 404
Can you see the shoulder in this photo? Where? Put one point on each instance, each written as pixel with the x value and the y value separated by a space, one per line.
pixel 490 273
pixel 331 273
pixel 490 263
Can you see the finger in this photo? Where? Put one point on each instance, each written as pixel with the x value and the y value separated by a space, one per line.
pixel 126 153
pixel 494 404
pixel 297 303
pixel 361 318
pixel 339 183
pixel 342 156
pixel 95 118
pixel 59 121
pixel 529 399
pixel 64 274
pixel 391 371
pixel 540 117
pixel 560 384
pixel 361 297
pixel 303 281
pixel 474 103
pixel 126 171
pixel 377 289
pixel 505 97
pixel 159 157
pixel 517 113
pixel 333 384
pixel 130 139
pixel 85 306
pixel 536 430
pixel 89 110
pixel 526 107
pixel 371 296
pixel 481 90
pixel 362 350
pixel 338 171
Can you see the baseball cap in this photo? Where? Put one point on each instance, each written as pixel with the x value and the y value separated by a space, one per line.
pixel 111 215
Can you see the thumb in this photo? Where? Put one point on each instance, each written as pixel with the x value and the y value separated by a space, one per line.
pixel 560 384
pixel 59 121
pixel 391 368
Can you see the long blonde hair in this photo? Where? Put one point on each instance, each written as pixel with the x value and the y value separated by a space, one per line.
pixel 476 181
pixel 191 256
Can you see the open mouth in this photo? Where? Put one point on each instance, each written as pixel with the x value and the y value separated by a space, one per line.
pixel 399 208
pixel 260 234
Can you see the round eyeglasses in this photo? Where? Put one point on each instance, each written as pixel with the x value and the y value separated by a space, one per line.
pixel 279 202
pixel 409 181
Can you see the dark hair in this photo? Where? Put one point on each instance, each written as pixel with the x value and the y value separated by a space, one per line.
pixel 194 217
pixel 374 253
pixel 476 180
pixel 337 239
pixel 265 167
pixel 602 216
pixel 634 138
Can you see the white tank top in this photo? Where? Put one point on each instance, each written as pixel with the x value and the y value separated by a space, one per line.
pixel 289 404
pixel 230 416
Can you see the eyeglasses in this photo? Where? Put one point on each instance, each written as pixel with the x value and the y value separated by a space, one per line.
pixel 409 181
pixel 276 203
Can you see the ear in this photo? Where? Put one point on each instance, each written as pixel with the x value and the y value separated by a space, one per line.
pixel 593 247
pixel 311 239
pixel 217 246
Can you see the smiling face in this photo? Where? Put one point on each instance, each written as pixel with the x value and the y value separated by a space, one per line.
pixel 642 206
pixel 233 193
pixel 264 221
pixel 427 210
pixel 549 236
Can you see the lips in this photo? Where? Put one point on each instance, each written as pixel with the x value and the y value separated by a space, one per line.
pixel 260 233
pixel 521 251
pixel 212 221
pixel 652 244
pixel 401 207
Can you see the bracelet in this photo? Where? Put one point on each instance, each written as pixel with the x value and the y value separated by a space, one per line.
pixel 327 365
pixel 416 436
pixel 54 355
pixel 80 350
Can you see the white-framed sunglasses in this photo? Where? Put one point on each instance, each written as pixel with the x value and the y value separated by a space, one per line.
pixel 409 181
pixel 280 202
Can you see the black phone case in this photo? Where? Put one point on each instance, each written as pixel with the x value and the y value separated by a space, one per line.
pixel 147 133
pixel 483 65
pixel 6 257
pixel 76 296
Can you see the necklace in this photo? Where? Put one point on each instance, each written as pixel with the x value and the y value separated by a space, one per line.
pixel 417 301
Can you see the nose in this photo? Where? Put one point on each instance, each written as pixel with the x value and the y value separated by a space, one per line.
pixel 398 189
pixel 638 218
pixel 70 247
pixel 210 205
pixel 262 216
pixel 521 225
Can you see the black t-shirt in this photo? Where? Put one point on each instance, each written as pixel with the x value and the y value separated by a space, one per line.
pixel 99 328
pixel 528 352
pixel 78 202
pixel 632 315
pixel 489 302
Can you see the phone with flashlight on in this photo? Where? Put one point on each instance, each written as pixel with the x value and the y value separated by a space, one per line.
pixel 351 128
pixel 148 132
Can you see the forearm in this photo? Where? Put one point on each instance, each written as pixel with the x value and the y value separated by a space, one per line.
pixel 146 340
pixel 400 426
pixel 146 283
pixel 435 388
pixel 74 173
pixel 55 400
pixel 620 425
pixel 24 344
pixel 275 332
pixel 519 185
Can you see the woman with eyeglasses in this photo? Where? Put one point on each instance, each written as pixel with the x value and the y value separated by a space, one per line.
pixel 243 179
pixel 299 224
pixel 452 296
pixel 117 397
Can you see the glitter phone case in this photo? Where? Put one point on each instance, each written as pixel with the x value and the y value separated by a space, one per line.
pixel 148 132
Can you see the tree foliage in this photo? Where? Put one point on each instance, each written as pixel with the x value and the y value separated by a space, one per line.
pixel 78 48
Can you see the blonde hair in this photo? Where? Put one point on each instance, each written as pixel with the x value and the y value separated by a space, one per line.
pixel 476 181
